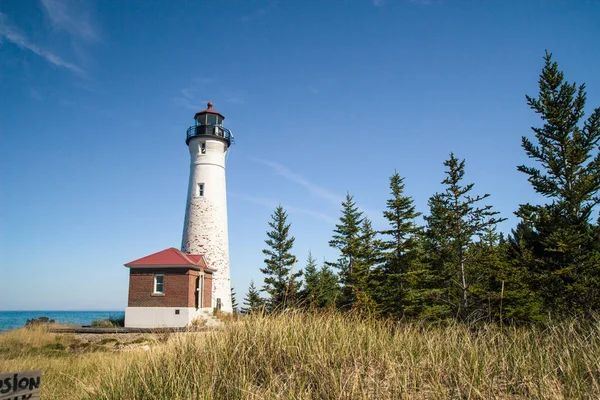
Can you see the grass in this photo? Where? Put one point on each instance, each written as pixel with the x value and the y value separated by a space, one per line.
pixel 330 356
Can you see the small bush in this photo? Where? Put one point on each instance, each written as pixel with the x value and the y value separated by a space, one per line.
pixel 39 321
pixel 117 321
pixel 110 322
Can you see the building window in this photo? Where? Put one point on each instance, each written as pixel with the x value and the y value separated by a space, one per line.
pixel 201 189
pixel 159 281
pixel 203 148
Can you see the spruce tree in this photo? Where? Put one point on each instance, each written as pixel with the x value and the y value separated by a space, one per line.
pixel 368 257
pixel 234 303
pixel 399 248
pixel 252 302
pixel 328 290
pixel 308 295
pixel 280 280
pixel 347 240
pixel 454 223
pixel 559 238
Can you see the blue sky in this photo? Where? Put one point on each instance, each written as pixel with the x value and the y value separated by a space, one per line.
pixel 323 97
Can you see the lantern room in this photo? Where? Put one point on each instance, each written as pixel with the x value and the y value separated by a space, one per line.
pixel 209 116
pixel 209 123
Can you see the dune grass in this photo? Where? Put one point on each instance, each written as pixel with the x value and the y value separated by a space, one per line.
pixel 327 356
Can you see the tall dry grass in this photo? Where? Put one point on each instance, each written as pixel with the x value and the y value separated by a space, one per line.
pixel 333 356
pixel 70 369
pixel 321 356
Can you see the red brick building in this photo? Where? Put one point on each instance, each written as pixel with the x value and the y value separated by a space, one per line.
pixel 168 289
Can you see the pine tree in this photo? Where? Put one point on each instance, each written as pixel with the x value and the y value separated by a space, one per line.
pixel 347 239
pixel 280 280
pixel 454 223
pixel 399 248
pixel 561 239
pixel 252 302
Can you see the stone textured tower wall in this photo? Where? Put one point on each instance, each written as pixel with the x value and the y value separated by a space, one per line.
pixel 205 226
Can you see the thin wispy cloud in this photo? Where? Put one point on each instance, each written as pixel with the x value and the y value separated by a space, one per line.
pixel 313 188
pixel 319 191
pixel 72 17
pixel 188 99
pixel 272 204
pixel 13 35
pixel 379 3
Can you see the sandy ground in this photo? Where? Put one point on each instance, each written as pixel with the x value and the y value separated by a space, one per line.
pixel 118 341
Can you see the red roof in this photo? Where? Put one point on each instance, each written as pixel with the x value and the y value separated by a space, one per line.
pixel 209 110
pixel 170 257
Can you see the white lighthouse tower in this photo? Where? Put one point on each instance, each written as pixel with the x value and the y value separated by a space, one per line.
pixel 205 226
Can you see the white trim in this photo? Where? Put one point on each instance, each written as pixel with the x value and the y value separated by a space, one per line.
pixel 200 290
pixel 156 284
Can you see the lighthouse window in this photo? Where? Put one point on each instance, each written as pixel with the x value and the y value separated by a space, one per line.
pixel 211 119
pixel 159 283
pixel 203 148
pixel 201 189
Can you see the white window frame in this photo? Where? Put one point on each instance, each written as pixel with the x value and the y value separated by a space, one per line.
pixel 201 189
pixel 156 284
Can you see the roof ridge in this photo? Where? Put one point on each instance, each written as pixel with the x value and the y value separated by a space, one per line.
pixel 182 255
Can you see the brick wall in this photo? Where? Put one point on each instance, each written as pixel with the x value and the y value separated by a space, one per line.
pixel 176 288
pixel 179 288
pixel 208 290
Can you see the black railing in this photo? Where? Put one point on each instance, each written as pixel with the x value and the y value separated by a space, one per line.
pixel 209 130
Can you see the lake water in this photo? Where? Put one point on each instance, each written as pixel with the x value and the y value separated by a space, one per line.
pixel 16 319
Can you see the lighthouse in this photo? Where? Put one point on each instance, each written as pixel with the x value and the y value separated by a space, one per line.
pixel 172 287
pixel 205 223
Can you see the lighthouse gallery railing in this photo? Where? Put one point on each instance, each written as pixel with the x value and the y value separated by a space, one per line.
pixel 209 130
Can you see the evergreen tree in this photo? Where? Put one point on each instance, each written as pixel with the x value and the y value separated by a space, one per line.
pixel 347 239
pixel 559 238
pixel 252 302
pixel 234 304
pixel 502 291
pixel 454 223
pixel 328 290
pixel 399 248
pixel 280 280
pixel 309 292
pixel 368 257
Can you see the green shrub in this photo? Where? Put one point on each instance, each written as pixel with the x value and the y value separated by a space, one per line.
pixel 39 321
